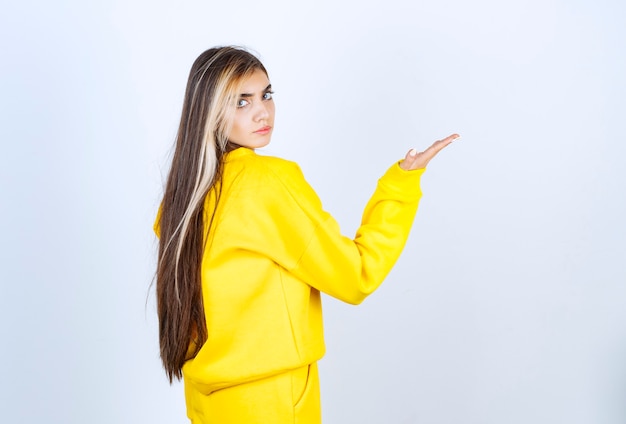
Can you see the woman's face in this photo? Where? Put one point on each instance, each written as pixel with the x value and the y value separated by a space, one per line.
pixel 254 118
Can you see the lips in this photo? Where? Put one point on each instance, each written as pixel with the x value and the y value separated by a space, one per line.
pixel 263 130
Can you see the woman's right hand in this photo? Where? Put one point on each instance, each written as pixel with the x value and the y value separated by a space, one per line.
pixel 418 160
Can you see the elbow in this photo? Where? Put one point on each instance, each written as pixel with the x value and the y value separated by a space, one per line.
pixel 355 300
pixel 356 296
pixel 357 288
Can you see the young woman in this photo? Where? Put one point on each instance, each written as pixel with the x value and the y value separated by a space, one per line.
pixel 246 248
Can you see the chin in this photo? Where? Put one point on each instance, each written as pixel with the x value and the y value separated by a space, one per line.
pixel 259 144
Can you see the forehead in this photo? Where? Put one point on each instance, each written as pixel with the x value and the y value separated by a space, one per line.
pixel 256 82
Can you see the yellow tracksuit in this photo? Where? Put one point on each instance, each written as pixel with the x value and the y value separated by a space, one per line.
pixel 270 251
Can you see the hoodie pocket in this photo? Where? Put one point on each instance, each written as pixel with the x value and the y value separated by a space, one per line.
pixel 306 391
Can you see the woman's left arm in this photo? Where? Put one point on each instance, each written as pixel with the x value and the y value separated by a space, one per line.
pixel 351 269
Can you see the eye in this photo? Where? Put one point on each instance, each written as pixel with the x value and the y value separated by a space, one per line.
pixel 269 95
pixel 242 103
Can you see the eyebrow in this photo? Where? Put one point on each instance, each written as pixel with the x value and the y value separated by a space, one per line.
pixel 268 88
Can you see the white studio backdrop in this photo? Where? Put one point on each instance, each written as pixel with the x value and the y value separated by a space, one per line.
pixel 508 304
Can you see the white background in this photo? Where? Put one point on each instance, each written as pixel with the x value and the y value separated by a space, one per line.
pixel 509 302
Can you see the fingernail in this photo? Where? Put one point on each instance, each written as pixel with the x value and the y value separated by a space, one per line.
pixel 412 152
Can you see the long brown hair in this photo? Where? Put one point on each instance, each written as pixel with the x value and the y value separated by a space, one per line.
pixel 202 140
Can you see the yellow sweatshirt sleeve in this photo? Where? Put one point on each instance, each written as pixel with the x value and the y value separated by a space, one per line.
pixel 313 248
pixel 350 270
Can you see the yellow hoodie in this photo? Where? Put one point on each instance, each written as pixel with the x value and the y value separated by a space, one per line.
pixel 270 251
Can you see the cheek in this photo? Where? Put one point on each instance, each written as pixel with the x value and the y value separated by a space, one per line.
pixel 238 124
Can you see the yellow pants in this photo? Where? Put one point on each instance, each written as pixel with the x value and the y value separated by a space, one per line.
pixel 292 397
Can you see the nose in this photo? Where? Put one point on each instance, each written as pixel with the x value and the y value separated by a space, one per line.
pixel 261 112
